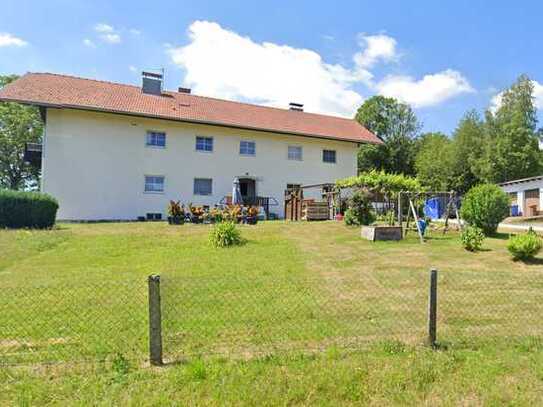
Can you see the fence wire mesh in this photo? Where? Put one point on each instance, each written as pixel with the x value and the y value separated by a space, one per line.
pixel 245 317
pixel 72 322
pixel 255 315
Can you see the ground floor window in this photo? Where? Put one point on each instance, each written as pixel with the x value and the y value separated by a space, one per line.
pixel 203 186
pixel 154 183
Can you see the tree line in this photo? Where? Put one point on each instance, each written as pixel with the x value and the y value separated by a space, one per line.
pixel 501 145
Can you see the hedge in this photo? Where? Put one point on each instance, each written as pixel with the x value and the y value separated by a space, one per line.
pixel 20 209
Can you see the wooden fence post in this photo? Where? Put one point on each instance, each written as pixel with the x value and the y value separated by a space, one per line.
pixel 432 309
pixel 155 321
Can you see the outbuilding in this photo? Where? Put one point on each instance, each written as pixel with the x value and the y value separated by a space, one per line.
pixel 526 196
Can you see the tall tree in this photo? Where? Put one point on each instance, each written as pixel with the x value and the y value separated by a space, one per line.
pixel 18 125
pixel 511 142
pixel 468 146
pixel 434 162
pixel 396 124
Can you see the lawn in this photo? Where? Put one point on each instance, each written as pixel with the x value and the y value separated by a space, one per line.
pixel 322 314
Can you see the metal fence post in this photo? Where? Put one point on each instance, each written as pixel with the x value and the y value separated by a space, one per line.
pixel 432 309
pixel 155 321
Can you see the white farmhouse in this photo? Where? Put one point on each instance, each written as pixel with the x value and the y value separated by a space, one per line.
pixel 526 196
pixel 117 152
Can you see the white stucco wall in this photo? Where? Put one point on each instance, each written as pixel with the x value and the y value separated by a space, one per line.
pixel 95 163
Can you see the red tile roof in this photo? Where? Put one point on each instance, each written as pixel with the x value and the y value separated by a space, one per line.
pixel 52 90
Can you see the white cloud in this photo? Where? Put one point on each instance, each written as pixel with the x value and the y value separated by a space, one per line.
pixel 496 100
pixel 134 32
pixel 538 94
pixel 111 38
pixel 222 63
pixel 107 33
pixel 89 43
pixel 430 90
pixel 132 68
pixel 376 48
pixel 103 28
pixel 9 40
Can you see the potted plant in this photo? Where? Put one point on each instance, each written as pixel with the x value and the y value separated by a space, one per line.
pixel 196 213
pixel 234 213
pixel 252 215
pixel 176 213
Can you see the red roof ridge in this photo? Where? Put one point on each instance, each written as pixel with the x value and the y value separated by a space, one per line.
pixel 173 92
pixel 61 75
pixel 73 92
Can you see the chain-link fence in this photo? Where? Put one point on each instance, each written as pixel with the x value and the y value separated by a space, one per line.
pixel 255 315
pixel 72 321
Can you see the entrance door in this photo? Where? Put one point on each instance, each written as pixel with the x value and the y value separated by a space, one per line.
pixel 247 188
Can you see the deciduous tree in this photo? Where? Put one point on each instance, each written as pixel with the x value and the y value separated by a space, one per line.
pixel 18 125
pixel 397 126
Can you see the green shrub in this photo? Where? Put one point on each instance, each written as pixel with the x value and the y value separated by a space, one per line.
pixel 20 209
pixel 485 206
pixel 349 218
pixel 472 238
pixel 225 234
pixel 360 211
pixel 525 246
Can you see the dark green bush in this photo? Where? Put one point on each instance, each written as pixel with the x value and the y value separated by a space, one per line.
pixel 472 238
pixel 225 234
pixel 20 209
pixel 485 206
pixel 524 247
pixel 360 210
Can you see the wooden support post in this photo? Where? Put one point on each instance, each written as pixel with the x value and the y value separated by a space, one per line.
pixel 400 208
pixel 155 321
pixel 415 216
pixel 457 213
pixel 432 309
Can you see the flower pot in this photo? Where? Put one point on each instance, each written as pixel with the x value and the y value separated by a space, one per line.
pixel 169 220
pixel 176 220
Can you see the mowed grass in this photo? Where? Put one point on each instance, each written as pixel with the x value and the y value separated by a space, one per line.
pixel 269 322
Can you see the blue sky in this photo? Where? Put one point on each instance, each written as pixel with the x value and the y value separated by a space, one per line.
pixel 442 57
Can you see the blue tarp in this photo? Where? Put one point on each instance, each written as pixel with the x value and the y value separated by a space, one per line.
pixel 433 208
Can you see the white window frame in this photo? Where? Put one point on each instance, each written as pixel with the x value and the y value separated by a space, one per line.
pixel 194 192
pixel 205 138
pixel 148 136
pixel 301 153
pixel 247 142
pixel 329 162
pixel 154 191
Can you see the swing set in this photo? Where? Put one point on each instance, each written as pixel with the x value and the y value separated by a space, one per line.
pixel 414 199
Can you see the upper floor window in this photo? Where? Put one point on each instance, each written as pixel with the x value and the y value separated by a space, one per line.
pixel 295 153
pixel 154 183
pixel 203 186
pixel 204 144
pixel 329 156
pixel 247 147
pixel 155 139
